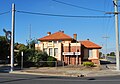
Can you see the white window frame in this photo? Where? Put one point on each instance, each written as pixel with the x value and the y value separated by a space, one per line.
pixel 45 49
pixel 90 53
pixel 50 51
pixel 55 52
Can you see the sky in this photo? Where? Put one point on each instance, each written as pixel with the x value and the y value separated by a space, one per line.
pixel 94 29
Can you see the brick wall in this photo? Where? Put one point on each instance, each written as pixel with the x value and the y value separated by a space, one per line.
pixel 71 59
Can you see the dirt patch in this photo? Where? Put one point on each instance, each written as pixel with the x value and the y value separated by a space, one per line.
pixel 80 68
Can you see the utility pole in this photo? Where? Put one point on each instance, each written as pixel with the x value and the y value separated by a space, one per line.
pixel 106 37
pixel 12 37
pixel 30 37
pixel 115 2
pixel 117 35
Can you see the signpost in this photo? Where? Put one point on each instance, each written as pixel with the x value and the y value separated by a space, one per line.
pixel 22 60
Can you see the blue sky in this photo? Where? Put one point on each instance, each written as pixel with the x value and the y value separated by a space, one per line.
pixel 86 28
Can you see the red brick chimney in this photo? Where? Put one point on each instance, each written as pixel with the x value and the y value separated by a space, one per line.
pixel 48 33
pixel 75 36
pixel 62 31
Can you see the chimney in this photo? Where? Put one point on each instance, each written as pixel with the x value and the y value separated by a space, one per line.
pixel 88 39
pixel 48 33
pixel 62 31
pixel 75 36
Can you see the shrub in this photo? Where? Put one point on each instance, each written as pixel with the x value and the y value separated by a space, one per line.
pixel 88 64
pixel 40 56
pixel 51 61
pixel 32 58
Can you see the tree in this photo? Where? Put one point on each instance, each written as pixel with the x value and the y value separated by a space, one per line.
pixel 19 46
pixel 31 44
pixel 32 57
pixel 108 54
pixel 112 53
pixel 51 61
pixel 4 48
pixel 100 54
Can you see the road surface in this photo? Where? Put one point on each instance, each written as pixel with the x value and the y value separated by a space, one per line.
pixel 111 59
pixel 6 78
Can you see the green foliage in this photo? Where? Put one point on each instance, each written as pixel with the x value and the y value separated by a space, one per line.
pixel 4 48
pixel 100 54
pixel 40 56
pixel 112 53
pixel 28 57
pixel 32 43
pixel 19 46
pixel 108 54
pixel 32 57
pixel 51 61
pixel 88 64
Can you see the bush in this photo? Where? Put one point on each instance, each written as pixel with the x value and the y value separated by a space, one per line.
pixel 88 64
pixel 51 61
pixel 31 58
pixel 40 56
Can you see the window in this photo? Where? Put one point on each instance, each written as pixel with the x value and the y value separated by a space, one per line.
pixel 55 51
pixel 60 41
pixel 55 41
pixel 45 49
pixel 50 41
pixel 50 51
pixel 90 53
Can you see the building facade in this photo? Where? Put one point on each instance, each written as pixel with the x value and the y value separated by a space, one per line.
pixel 67 49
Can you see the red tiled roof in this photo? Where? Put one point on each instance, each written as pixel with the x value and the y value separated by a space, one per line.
pixel 56 36
pixel 89 44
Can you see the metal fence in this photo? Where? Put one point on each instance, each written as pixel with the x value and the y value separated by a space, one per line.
pixel 42 64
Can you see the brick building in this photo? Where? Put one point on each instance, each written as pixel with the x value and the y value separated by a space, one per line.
pixel 67 49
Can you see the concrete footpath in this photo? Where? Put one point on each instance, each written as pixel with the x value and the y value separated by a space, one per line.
pixel 70 71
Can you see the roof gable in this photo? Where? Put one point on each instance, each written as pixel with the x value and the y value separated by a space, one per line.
pixel 56 36
pixel 89 44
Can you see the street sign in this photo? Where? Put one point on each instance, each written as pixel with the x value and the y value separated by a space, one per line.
pixel 71 53
pixel 68 53
pixel 77 53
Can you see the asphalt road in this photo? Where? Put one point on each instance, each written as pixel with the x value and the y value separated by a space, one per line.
pixel 111 59
pixel 6 78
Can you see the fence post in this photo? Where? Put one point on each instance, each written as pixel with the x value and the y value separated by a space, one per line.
pixel 63 63
pixel 55 63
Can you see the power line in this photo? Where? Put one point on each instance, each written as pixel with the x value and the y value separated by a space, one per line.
pixel 70 16
pixel 78 6
pixel 4 13
pixel 106 37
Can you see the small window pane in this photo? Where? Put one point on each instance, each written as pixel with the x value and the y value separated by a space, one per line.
pixel 90 53
pixel 55 51
pixel 50 51
pixel 45 49
pixel 55 41
pixel 60 41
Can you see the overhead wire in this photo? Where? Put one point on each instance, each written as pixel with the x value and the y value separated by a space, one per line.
pixel 106 22
pixel 57 15
pixel 90 9
pixel 4 13
pixel 110 23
